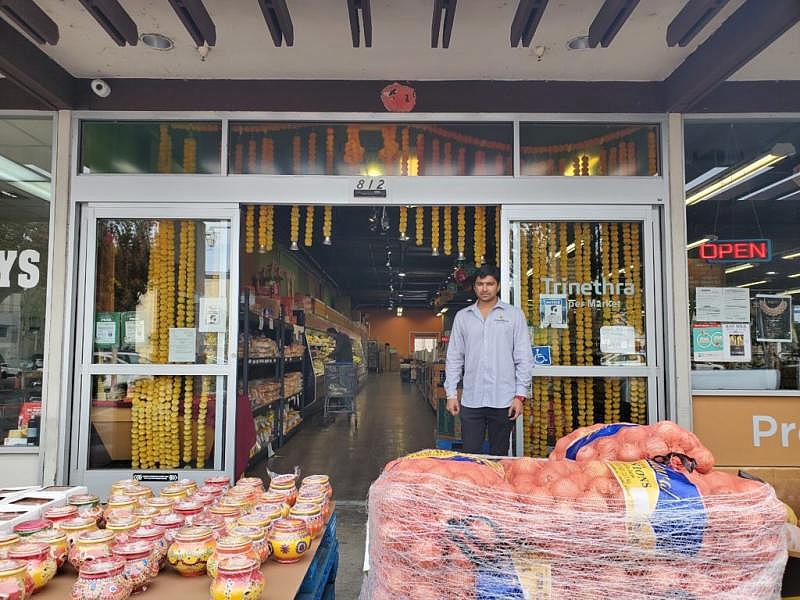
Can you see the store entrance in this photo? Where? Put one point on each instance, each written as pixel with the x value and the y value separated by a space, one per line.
pixel 389 280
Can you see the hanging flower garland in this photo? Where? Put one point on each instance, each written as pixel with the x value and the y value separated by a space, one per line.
pixel 312 152
pixel 294 227
pixel 480 163
pixel 267 155
pixel 435 230
pixel 251 156
pixel 448 230
pixel 497 236
pixel 576 166
pixel 405 150
pixel 554 339
pixel 612 161
pixel 419 230
pixel 602 163
pixel 263 214
pixel 479 241
pixel 435 157
pixel 565 358
pixel 605 253
pixel 615 251
pixel 164 150
pixel 420 151
pixel 390 151
pixel 353 150
pixel 462 161
pixel 523 292
pixel 190 155
pixel 652 154
pixel 249 229
pixel 188 400
pixel 136 413
pixel 309 226
pixel 622 157
pixel 447 160
pixel 202 411
pixel 329 140
pixel 297 156
pixel 639 393
pixel 462 232
pixel 238 158
pixel 584 166
pixel 631 154
pixel 327 224
pixel 628 304
pixel 402 223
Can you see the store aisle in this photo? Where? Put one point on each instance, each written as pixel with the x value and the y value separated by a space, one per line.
pixel 393 420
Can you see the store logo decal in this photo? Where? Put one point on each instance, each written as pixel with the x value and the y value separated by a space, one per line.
pixel 27 261
pixel 598 287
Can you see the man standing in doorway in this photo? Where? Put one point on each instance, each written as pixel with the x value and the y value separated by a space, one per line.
pixel 491 346
pixel 343 351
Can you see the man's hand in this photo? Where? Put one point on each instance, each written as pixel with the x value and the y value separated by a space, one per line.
pixel 452 406
pixel 515 410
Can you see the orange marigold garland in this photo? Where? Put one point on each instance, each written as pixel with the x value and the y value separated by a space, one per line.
pixel 448 230
pixel 190 155
pixel 267 155
pixel 249 229
pixel 462 232
pixel 390 151
pixel 353 150
pixel 405 151
pixel 420 151
pixel 294 227
pixel 238 158
pixel 497 236
pixel 402 224
pixel 447 162
pixel 419 230
pixel 312 152
pixel 329 139
pixel 263 212
pixel 435 230
pixel 462 161
pixel 251 156
pixel 652 154
pixel 297 155
pixel 435 157
pixel 309 226
pixel 327 225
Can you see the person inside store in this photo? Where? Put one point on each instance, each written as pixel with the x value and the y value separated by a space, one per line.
pixel 491 347
pixel 343 351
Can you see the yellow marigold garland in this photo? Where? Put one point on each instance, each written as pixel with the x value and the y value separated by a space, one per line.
pixel 294 226
pixel 327 224
pixel 309 236
pixel 190 155
pixel 263 216
pixel 497 236
pixel 201 421
pixel 405 151
pixel 420 151
pixel 448 230
pixel 353 150
pixel 249 229
pixel 462 231
pixel 164 150
pixel 402 223
pixel 435 230
pixel 419 231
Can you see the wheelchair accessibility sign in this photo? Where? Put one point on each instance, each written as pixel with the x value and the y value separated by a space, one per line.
pixel 541 356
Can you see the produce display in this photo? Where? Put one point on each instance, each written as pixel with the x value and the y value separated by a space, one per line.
pixel 445 525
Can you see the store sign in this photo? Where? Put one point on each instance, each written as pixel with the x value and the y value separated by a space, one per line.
pixel 27 262
pixel 370 187
pixel 606 293
pixel 731 251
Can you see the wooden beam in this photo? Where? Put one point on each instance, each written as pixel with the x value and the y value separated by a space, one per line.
pixel 32 20
pixel 691 20
pixel 526 20
pixel 753 27
pixel 196 20
pixel 13 97
pixel 39 76
pixel 114 20
pixel 751 96
pixel 279 21
pixel 609 21
pixel 354 7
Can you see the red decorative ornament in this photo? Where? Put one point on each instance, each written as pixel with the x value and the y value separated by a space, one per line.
pixel 397 97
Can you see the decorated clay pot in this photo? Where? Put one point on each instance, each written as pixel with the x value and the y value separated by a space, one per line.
pixel 258 537
pixel 88 505
pixel 120 503
pixel 312 515
pixel 212 490
pixel 122 523
pixel 60 513
pixel 243 496
pixel 146 514
pixel 322 480
pixel 220 482
pixel 255 519
pixel 191 549
pixel 285 485
pixel 72 528
pixel 188 509
pixel 190 485
pixel 161 504
pixel 174 492
pixel 41 566
pixel 316 495
pixel 253 482
pixel 289 539
pixel 229 513
pixel 102 579
pixel 275 498
pixel 91 545
pixel 118 487
pixel 152 534
pixel 140 493
pixel 7 540
pixel 28 528
pixel 171 523
pixel 57 542
pixel 214 522
pixel 15 583
pixel 228 547
pixel 203 499
pixel 238 578
pixel 272 512
pixel 141 564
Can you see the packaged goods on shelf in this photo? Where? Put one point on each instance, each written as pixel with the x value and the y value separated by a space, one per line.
pixel 265 431
pixel 294 350
pixel 263 391
pixel 260 347
pixel 292 384
pixel 448 525
pixel 291 420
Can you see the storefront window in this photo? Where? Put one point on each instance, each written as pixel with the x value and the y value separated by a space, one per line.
pixel 161 291
pixel 589 149
pixel 25 157
pixel 373 149
pixel 743 229
pixel 138 147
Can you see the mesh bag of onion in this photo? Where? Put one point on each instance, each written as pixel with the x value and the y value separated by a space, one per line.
pixel 452 526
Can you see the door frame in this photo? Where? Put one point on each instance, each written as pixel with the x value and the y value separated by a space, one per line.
pixel 224 441
pixel 649 216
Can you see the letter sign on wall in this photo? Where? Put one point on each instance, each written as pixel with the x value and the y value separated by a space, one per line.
pixel 732 251
pixel 27 262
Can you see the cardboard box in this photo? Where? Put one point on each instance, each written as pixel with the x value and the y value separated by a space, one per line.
pixel 785 480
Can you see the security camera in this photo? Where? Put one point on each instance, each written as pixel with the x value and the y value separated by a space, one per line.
pixel 100 88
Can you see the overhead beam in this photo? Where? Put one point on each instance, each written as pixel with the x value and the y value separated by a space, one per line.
pixel 448 9
pixel 526 20
pixel 32 20
pixel 753 27
pixel 691 20
pixel 39 76
pixel 114 20
pixel 362 9
pixel 279 21
pixel 196 20
pixel 609 21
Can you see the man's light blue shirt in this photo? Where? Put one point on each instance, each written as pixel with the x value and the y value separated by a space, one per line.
pixel 494 354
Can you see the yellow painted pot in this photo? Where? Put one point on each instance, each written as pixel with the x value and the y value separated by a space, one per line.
pixel 91 545
pixel 74 527
pixel 41 566
pixel 7 540
pixel 57 542
pixel 289 540
pixel 15 583
pixel 312 515
pixel 231 546
pixel 190 551
pixel 239 578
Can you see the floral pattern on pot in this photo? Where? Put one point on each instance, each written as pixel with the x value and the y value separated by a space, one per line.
pixel 57 541
pixel 15 583
pixel 102 579
pixel 289 540
pixel 239 578
pixel 141 564
pixel 190 551
pixel 41 566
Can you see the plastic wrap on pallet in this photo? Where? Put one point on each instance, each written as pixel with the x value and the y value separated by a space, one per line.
pixel 451 526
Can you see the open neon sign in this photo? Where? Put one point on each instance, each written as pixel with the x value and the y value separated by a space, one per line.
pixel 731 251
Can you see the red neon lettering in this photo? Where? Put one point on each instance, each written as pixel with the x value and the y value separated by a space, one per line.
pixel 741 250
pixel 758 250
pixel 724 249
pixel 708 251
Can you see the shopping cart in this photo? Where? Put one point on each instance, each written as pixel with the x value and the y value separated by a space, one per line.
pixel 341 388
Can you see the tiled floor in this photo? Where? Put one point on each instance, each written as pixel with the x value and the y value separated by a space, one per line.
pixel 393 420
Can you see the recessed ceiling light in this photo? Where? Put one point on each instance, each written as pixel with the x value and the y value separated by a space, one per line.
pixel 157 41
pixel 578 43
pixel 401 274
pixel 772 273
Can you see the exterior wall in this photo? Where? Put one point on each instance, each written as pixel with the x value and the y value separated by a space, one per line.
pixel 385 326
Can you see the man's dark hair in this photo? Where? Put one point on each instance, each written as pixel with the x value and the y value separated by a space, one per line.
pixel 332 330
pixel 488 271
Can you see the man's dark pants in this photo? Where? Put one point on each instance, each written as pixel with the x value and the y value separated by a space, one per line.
pixel 476 421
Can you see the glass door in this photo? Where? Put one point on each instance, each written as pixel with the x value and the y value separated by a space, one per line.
pixel 157 350
pixel 588 281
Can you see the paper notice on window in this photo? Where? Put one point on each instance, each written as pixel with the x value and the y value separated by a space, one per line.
pixel 725 304
pixel 553 311
pixel 182 344
pixel 736 342
pixel 213 315
pixel 617 339
pixel 707 342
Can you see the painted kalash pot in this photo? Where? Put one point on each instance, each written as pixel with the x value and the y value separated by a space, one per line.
pixel 153 534
pixel 91 545
pixel 60 513
pixel 230 546
pixel 289 539
pixel 238 578
pixel 88 505
pixel 141 565
pixel 74 527
pixel 322 480
pixel 312 515
pixel 286 486
pixel 15 583
pixel 41 566
pixel 190 551
pixel 7 540
pixel 57 541
pixel 102 579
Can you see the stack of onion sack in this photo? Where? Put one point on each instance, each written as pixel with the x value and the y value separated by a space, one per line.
pixel 628 442
pixel 451 526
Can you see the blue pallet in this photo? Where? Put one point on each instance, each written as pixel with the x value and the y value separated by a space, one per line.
pixel 443 444
pixel 330 531
pixel 321 572
pixel 330 591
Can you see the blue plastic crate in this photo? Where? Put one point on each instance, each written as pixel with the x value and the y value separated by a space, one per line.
pixel 330 531
pixel 321 572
